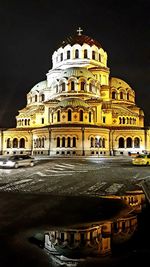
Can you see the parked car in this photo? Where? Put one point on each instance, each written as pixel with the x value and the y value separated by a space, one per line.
pixel 141 160
pixel 38 240
pixel 16 161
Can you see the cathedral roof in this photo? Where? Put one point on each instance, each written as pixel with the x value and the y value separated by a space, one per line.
pixel 73 102
pixel 80 39
pixel 77 72
pixel 118 83
pixel 39 86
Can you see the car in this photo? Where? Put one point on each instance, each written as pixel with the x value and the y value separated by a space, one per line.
pixel 16 161
pixel 37 241
pixel 141 160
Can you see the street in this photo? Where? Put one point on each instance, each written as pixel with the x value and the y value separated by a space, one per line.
pixel 81 176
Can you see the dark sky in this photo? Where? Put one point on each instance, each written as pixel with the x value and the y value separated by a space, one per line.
pixel 30 31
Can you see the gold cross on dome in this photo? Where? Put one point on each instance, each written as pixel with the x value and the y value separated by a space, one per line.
pixel 79 31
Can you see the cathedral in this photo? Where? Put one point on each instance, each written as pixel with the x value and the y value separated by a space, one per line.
pixel 79 109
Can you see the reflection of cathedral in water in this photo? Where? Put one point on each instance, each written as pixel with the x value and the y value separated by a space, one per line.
pixel 82 240
pixel 88 240
pixel 70 245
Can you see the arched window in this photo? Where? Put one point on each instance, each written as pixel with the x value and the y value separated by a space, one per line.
pixel 29 122
pixel 129 142
pixel 120 120
pixel 52 117
pixel 42 142
pixel 123 119
pixel 39 143
pixel 121 142
pixel 15 143
pixel 69 115
pixel 103 143
pixel 58 115
pixel 35 143
pixel 93 54
pixel 113 95
pixel 61 57
pixel 136 142
pixel 90 116
pixel 63 142
pixel 68 142
pixel 128 96
pixel 85 53
pixel 42 97
pixel 82 86
pixel 96 142
pixel 8 143
pixel 35 98
pixel 90 87
pixel 58 142
pixel 76 53
pixel 68 54
pixel 72 85
pixel 100 142
pixel 22 143
pixel 92 142
pixel 99 57
pixel 81 115
pixel 25 121
pixel 121 95
pixel 63 86
pixel 74 142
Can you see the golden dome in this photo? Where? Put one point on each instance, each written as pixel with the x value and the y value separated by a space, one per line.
pixel 80 39
pixel 118 83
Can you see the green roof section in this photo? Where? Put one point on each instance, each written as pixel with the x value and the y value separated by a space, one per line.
pixel 74 102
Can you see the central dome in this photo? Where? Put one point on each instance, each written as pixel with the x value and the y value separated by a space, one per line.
pixel 80 39
pixel 79 50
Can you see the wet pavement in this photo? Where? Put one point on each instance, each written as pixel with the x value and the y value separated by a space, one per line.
pixel 62 192
pixel 93 176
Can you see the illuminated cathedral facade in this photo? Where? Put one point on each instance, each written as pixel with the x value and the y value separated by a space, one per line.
pixel 79 109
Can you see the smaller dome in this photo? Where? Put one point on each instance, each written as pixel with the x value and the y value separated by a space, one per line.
pixel 72 102
pixel 39 86
pixel 77 72
pixel 118 83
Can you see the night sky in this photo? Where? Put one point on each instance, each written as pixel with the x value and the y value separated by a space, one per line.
pixel 30 31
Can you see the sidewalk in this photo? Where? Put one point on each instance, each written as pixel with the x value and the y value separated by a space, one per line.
pixel 40 157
